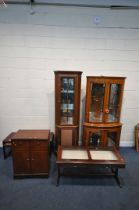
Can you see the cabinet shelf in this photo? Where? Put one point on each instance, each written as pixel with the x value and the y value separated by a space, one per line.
pixel 67 106
pixel 67 91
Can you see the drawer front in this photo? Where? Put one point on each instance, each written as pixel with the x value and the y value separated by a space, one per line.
pixel 39 145
pixel 20 144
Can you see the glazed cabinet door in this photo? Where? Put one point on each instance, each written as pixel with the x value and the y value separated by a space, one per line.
pixel 113 108
pixel 67 106
pixel 67 98
pixel 97 101
pixel 103 99
pixel 67 101
pixel 113 137
pixel 101 137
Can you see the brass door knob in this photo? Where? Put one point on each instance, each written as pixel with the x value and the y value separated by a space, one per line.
pixel 107 111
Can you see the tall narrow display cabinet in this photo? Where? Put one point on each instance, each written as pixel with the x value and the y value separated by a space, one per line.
pixel 102 126
pixel 67 107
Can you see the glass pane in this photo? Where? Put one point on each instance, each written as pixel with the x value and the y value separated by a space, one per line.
pixel 67 100
pixel 95 139
pixel 97 100
pixel 114 99
pixel 112 138
pixel 74 154
pixel 102 155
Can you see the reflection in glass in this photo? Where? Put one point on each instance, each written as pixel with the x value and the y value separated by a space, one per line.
pixel 97 100
pixel 95 139
pixel 114 99
pixel 112 137
pixel 67 100
pixel 74 154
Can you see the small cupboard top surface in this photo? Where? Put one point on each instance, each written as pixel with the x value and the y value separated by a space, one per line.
pixel 32 134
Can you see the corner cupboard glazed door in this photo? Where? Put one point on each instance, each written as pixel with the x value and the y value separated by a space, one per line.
pixel 67 100
pixel 104 98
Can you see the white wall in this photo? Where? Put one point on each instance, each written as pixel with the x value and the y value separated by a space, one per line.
pixel 63 38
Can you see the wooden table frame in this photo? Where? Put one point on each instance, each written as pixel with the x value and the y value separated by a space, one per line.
pixel 113 165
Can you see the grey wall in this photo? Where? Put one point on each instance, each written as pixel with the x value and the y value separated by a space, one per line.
pixel 64 38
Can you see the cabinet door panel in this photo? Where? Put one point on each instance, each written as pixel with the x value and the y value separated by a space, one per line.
pixel 21 161
pixel 97 102
pixel 114 103
pixel 67 100
pixel 103 99
pixel 95 138
pixel 101 136
pixel 113 137
pixel 39 162
pixel 68 136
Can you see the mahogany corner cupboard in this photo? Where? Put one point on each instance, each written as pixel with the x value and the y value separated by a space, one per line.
pixel 30 152
pixel 102 110
pixel 67 107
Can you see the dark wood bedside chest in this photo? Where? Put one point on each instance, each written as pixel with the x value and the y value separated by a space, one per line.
pixel 30 152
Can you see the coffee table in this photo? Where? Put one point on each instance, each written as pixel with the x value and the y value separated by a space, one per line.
pixel 108 159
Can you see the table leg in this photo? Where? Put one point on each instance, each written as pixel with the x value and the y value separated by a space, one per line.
pixel 117 178
pixel 58 175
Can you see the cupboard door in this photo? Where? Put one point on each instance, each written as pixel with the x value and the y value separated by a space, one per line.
pixel 67 101
pixel 21 159
pixel 95 138
pixel 68 136
pixel 113 137
pixel 39 162
pixel 97 102
pixel 21 156
pixel 114 103
pixel 105 102
pixel 103 99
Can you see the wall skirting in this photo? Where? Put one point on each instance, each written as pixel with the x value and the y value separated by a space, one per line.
pixel 127 144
